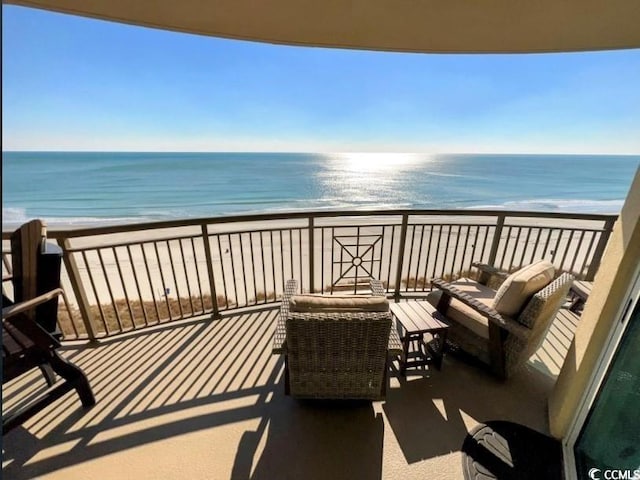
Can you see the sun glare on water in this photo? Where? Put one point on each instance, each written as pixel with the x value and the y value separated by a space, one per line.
pixel 368 178
pixel 377 162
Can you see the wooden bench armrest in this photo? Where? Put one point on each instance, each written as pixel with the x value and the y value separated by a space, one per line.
pixel 450 291
pixel 490 270
pixel 27 326
pixel 27 305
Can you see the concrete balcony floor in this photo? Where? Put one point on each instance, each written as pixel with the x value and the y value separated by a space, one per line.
pixel 204 399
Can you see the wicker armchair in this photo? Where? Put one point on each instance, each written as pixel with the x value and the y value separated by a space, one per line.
pixel 503 342
pixel 335 355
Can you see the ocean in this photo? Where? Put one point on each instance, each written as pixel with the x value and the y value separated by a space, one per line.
pixel 110 187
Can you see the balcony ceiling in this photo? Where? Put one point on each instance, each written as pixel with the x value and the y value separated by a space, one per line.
pixel 437 26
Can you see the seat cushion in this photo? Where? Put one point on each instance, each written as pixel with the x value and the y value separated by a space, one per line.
pixel 521 285
pixel 342 303
pixel 463 314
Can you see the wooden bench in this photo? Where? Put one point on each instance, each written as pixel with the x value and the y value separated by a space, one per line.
pixel 26 343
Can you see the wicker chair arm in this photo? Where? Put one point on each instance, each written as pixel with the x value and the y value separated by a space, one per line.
pixel 280 335
pixel 377 288
pixel 490 270
pixel 486 311
pixel 290 289
pixel 395 344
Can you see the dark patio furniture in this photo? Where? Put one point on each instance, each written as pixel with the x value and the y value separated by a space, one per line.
pixel 580 291
pixel 26 343
pixel 415 320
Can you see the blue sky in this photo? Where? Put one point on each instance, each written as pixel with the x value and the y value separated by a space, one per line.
pixel 70 83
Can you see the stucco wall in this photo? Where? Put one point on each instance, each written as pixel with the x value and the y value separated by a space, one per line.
pixel 612 283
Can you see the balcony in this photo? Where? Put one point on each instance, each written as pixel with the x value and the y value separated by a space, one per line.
pixel 186 386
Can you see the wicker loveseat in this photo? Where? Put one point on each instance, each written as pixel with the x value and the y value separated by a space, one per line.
pixel 500 328
pixel 335 353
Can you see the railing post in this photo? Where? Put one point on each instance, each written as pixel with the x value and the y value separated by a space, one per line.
pixel 212 282
pixel 403 242
pixel 78 288
pixel 599 251
pixel 311 255
pixel 495 243
pixel 484 277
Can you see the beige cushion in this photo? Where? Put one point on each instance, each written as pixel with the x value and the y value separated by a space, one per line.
pixel 329 303
pixel 463 314
pixel 521 285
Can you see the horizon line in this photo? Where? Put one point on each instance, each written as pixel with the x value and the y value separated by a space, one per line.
pixel 326 152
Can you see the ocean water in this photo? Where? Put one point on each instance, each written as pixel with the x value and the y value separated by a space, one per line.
pixel 112 187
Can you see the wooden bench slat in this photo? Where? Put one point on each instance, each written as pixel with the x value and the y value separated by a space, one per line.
pixel 14 340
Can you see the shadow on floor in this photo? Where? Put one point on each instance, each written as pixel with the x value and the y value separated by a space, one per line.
pixel 208 396
pixel 509 451
pixel 313 440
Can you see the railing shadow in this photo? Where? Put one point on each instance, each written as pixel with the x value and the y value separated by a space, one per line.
pixel 183 379
pixel 164 384
pixel 553 351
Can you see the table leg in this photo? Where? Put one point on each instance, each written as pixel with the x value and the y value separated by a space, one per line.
pixel 436 347
pixel 406 343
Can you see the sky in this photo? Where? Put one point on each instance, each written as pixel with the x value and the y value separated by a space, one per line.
pixel 70 83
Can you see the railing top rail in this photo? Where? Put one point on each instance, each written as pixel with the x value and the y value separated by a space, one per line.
pixel 156 225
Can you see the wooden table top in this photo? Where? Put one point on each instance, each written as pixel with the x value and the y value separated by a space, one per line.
pixel 418 316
